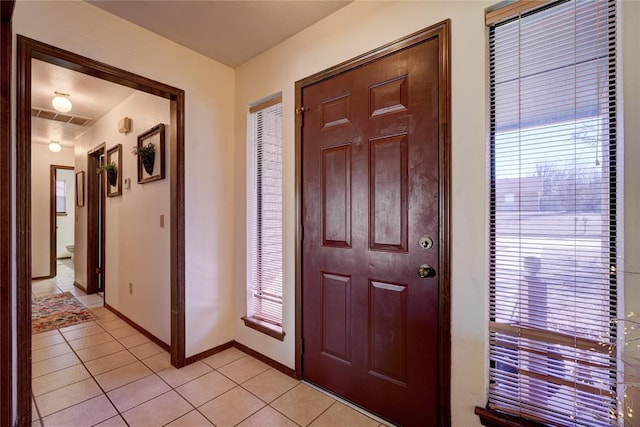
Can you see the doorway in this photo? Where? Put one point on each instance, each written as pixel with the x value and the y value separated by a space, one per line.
pixel 373 267
pixel 29 49
pixel 95 220
pixel 62 214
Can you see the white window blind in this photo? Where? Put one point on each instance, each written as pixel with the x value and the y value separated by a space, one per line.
pixel 61 196
pixel 264 245
pixel 553 214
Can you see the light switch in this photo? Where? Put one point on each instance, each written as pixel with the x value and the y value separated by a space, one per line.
pixel 161 221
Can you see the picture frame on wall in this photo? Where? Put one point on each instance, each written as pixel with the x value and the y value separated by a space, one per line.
pixel 80 188
pixel 151 153
pixel 114 178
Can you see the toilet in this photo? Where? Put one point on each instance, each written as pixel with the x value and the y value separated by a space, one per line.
pixel 70 248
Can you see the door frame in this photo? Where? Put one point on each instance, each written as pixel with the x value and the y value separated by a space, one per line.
pixel 441 31
pixel 95 208
pixel 53 221
pixel 7 382
pixel 27 50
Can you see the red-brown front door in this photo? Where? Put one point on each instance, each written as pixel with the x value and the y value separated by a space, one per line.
pixel 372 188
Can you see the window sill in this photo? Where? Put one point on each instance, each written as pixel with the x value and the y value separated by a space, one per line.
pixel 264 327
pixel 491 418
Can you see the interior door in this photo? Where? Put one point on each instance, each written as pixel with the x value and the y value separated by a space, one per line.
pixel 372 183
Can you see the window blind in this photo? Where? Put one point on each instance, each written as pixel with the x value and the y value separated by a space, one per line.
pixel 264 293
pixel 61 196
pixel 552 231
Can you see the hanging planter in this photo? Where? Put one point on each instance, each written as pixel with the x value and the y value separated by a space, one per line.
pixel 147 154
pixel 147 162
pixel 112 173
pixel 112 177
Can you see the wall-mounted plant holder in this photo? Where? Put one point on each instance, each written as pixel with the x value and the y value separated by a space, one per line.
pixel 150 152
pixel 114 174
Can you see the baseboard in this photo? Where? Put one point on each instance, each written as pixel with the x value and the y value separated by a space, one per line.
pixel 261 357
pixel 208 353
pixel 79 286
pixel 42 277
pixel 139 328
pixel 264 359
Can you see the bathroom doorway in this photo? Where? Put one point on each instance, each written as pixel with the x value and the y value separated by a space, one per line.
pixel 62 214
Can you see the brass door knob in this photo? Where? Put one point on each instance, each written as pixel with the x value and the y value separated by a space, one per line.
pixel 425 271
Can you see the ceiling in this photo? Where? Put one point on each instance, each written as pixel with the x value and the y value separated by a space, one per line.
pixel 230 32
pixel 91 98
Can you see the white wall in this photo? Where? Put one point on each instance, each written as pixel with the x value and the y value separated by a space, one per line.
pixel 209 95
pixel 137 250
pixel 66 223
pixel 358 28
pixel 41 160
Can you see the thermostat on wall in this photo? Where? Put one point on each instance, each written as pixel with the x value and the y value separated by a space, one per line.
pixel 124 125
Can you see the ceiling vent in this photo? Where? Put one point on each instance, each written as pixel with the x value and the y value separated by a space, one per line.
pixel 60 117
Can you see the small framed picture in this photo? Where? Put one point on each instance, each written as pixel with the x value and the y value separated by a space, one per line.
pixel 150 152
pixel 80 188
pixel 113 170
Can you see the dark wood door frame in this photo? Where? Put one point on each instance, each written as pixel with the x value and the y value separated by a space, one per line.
pixel 6 284
pixel 95 226
pixel 29 49
pixel 441 31
pixel 53 221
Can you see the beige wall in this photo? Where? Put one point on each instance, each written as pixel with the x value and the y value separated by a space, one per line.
pixel 137 250
pixel 41 161
pixel 209 95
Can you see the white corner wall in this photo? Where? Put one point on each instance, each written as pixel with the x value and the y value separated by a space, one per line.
pixel 81 28
pixel 41 160
pixel 137 249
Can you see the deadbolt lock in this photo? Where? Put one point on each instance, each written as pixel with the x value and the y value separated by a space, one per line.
pixel 426 242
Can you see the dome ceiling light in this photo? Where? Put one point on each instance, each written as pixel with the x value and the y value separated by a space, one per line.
pixel 61 102
pixel 54 146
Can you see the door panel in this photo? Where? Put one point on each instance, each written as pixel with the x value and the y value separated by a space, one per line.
pixel 371 184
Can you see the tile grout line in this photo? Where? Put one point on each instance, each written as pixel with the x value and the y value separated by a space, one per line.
pixel 37 411
pixel 93 378
pixel 172 388
pixel 356 408
pixel 82 362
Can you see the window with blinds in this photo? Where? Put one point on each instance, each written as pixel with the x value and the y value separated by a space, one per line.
pixel 264 216
pixel 61 197
pixel 553 214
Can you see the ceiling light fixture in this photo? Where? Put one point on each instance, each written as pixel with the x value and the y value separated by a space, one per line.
pixel 61 102
pixel 54 146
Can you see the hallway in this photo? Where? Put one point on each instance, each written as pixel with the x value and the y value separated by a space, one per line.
pixel 108 374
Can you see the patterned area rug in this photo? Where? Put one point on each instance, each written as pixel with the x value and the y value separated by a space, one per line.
pixel 57 311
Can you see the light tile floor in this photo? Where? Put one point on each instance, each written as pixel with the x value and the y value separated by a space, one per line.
pixel 105 373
